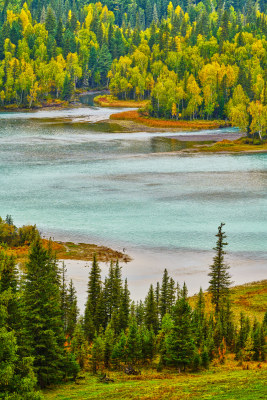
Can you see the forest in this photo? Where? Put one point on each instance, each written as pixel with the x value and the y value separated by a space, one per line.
pixel 191 59
pixel 45 340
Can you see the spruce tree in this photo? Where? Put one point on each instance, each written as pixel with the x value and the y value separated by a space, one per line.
pixel 151 316
pixel 79 346
pixel 44 333
pixel 180 342
pixel 219 277
pixel 72 309
pixel 94 294
pixel 133 345
pixel 164 295
pixel 124 310
pixel 17 378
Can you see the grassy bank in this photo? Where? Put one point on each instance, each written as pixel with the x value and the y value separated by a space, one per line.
pixel 72 251
pixel 250 298
pixel 110 101
pixel 163 123
pixel 222 382
pixel 236 146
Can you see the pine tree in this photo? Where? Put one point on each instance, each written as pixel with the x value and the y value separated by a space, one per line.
pixel 164 303
pixel 180 343
pixel 133 345
pixel 68 88
pixel 94 293
pixel 50 21
pixel 63 295
pixel 124 310
pixel 151 316
pixel 72 309
pixel 17 378
pixel 219 277
pixel 79 345
pixel 44 338
pixel 108 345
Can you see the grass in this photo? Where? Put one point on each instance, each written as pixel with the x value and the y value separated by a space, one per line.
pixel 251 298
pixel 235 146
pixel 110 101
pixel 71 251
pixel 223 382
pixel 229 381
pixel 163 123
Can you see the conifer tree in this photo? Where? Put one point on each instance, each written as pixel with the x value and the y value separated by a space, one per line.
pixel 17 378
pixel 151 316
pixel 219 277
pixel 164 300
pixel 133 345
pixel 72 309
pixel 44 334
pixel 124 310
pixel 94 294
pixel 119 351
pixel 63 295
pixel 180 343
pixel 79 345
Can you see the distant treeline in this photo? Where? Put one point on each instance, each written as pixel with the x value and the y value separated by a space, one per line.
pixel 191 59
pixel 44 340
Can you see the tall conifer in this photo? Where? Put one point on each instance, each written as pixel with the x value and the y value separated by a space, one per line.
pixel 219 277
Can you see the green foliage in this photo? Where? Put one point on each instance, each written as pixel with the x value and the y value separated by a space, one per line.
pixel 44 334
pixel 219 277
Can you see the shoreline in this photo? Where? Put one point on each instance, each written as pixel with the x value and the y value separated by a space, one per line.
pixel 147 267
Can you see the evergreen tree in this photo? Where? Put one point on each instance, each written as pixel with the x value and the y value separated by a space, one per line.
pixel 72 309
pixel 50 21
pixel 180 343
pixel 68 88
pixel 164 300
pixel 133 345
pixel 151 316
pixel 79 345
pixel 44 334
pixel 94 294
pixel 219 277
pixel 124 310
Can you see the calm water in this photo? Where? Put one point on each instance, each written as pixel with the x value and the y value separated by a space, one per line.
pixel 81 179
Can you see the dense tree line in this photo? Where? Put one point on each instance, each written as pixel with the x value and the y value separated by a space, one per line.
pixel 191 59
pixel 44 340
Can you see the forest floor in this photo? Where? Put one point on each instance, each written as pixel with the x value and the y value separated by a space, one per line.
pixel 229 381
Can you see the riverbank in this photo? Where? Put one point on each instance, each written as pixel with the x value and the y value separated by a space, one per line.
pixel 242 145
pixel 72 251
pixel 190 266
pixel 110 101
pixel 134 116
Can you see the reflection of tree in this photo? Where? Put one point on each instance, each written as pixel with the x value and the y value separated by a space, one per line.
pixel 165 144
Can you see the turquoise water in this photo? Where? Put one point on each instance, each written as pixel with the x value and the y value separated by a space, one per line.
pixel 81 179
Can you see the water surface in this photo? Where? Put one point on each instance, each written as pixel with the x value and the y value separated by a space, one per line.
pixel 82 179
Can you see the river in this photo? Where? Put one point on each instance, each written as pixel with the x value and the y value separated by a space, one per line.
pixel 82 179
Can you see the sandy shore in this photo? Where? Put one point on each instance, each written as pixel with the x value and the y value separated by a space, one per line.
pixel 148 265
